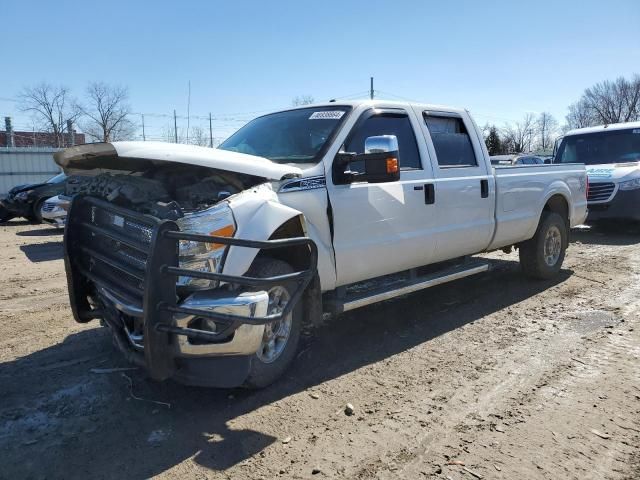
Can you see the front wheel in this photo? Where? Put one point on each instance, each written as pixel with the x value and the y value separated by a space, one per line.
pixel 5 215
pixel 36 211
pixel 280 339
pixel 542 256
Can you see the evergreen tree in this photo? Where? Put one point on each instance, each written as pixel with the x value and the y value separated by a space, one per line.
pixel 494 145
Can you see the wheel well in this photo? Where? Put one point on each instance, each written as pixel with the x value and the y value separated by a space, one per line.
pixel 298 256
pixel 558 204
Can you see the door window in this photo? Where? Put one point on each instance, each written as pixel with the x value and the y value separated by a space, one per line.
pixel 451 141
pixel 387 124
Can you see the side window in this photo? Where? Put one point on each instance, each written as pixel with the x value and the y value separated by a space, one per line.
pixel 387 124
pixel 451 141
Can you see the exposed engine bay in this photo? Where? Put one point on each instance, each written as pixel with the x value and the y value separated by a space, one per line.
pixel 166 192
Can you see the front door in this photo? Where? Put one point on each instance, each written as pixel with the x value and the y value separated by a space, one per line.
pixel 383 228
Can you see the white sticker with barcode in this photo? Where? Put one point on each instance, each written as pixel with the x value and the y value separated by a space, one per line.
pixel 327 115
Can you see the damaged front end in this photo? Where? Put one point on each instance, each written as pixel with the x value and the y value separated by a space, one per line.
pixel 144 254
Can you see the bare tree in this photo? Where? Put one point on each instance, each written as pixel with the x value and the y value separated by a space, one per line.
pixel 199 136
pixel 519 137
pixel 607 102
pixel 52 108
pixel 302 100
pixel 547 129
pixel 107 111
pixel 580 115
pixel 615 101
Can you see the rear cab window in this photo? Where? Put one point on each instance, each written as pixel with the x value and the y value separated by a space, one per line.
pixel 451 141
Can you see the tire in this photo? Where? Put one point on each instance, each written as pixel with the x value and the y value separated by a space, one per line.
pixel 264 369
pixel 541 257
pixel 36 211
pixel 5 215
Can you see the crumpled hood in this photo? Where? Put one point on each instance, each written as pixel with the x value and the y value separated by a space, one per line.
pixel 130 156
pixel 613 171
pixel 25 187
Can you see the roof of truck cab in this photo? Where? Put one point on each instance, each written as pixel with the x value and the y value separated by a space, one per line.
pixel 603 128
pixel 381 103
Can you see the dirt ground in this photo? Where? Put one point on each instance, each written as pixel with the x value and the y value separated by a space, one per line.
pixel 495 376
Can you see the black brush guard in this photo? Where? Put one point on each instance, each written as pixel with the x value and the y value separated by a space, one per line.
pixel 135 257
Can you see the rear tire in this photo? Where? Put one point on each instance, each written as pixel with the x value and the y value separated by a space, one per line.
pixel 541 257
pixel 272 360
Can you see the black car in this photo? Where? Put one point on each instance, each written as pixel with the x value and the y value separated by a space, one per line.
pixel 26 200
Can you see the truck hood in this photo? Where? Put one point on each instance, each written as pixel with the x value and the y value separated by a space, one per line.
pixel 130 156
pixel 612 172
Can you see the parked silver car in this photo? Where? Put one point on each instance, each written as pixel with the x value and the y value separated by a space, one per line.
pixel 54 210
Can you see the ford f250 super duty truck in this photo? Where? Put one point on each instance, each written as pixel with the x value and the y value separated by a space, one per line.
pixel 205 263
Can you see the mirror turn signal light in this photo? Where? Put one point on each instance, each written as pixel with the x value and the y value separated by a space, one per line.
pixel 392 165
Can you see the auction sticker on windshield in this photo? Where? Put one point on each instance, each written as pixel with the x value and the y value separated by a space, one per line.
pixel 327 115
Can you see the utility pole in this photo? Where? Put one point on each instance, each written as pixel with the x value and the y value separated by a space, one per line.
pixel 9 129
pixel 188 110
pixel 371 89
pixel 175 127
pixel 144 138
pixel 71 132
pixel 210 132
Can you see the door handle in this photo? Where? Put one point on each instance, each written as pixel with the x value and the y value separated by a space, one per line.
pixel 429 194
pixel 484 188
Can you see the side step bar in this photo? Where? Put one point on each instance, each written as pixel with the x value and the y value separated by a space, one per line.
pixel 426 281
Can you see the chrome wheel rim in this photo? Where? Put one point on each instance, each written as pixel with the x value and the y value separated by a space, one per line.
pixel 552 246
pixel 276 334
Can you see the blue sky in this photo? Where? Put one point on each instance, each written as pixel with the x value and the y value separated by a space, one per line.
pixel 500 59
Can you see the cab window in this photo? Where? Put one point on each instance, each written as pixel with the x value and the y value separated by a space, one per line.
pixel 387 124
pixel 451 141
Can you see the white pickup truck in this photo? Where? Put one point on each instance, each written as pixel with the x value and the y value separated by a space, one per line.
pixel 205 263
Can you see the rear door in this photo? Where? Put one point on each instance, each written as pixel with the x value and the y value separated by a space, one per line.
pixel 464 184
pixel 382 228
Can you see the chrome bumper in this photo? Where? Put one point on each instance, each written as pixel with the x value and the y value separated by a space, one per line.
pixel 245 340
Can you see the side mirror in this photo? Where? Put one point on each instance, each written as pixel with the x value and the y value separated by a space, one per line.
pixel 381 162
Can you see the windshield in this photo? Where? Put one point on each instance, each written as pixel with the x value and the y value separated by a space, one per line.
pixel 615 146
pixel 61 177
pixel 294 136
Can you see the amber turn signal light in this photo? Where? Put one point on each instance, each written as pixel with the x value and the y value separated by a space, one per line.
pixel 392 165
pixel 226 231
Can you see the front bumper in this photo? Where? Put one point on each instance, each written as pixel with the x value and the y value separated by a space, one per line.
pixel 122 268
pixel 56 217
pixel 625 205
pixel 16 207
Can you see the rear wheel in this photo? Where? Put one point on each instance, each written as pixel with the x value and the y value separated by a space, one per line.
pixel 542 256
pixel 280 339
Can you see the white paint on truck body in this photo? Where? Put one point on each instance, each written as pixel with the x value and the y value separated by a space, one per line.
pixel 365 230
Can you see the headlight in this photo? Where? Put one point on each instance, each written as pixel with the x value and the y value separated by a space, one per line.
pixel 22 195
pixel 205 257
pixel 630 184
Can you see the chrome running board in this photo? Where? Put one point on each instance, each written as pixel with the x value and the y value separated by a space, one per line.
pixel 414 285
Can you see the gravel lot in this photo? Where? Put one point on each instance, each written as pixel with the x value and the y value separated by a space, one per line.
pixel 495 376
